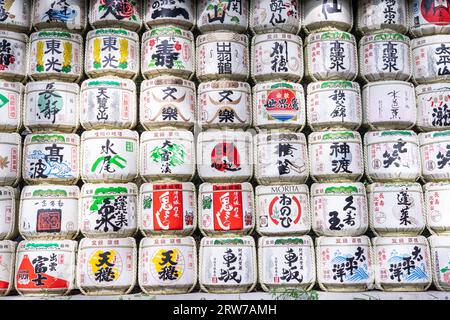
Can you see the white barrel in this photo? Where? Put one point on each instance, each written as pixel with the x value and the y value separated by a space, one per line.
pixel 396 209
pixel 226 209
pixel 167 265
pixel 275 16
pixel 286 263
pixel 227 265
pixel 13 55
pixel 112 52
pixel 319 14
pixel 283 210
pixel 402 263
pixel 68 14
pixel 109 155
pixel 431 59
pixel 225 156
pixel 277 56
pixel 16 15
pixel 331 55
pixel 436 208
pixel 123 14
pixel 385 55
pixel 9 200
pixel 108 103
pixel 222 55
pixel 440 261
pixel 45 267
pixel 167 209
pixel 435 155
pixel 167 101
pixel 433 106
pixel 281 157
pixel 335 156
pixel 279 105
pixel 11 104
pixel 429 17
pixel 339 209
pixel 389 105
pixel 51 106
pixel 56 55
pixel 216 15
pixel 106 266
pixel 7 260
pixel 392 156
pixel 167 155
pixel 49 212
pixel 11 159
pixel 374 15
pixel 334 105
pixel 344 263
pixel 178 12
pixel 224 104
pixel 168 50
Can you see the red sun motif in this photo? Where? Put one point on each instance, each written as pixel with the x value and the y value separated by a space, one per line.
pixel 436 12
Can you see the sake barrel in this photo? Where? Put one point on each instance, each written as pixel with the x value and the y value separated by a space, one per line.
pixel 436 208
pixel 389 105
pixel 168 50
pixel 396 209
pixel 277 56
pixel 433 106
pixel 167 155
pixel 178 12
pixel 225 156
pixel 286 263
pixel 9 199
pixel 433 154
pixel 214 15
pixel 51 106
pixel 227 265
pixel 279 105
pixel 16 15
pixel 167 209
pixel 109 155
pixel 106 266
pixel 402 263
pixel 13 55
pixel 331 55
pixel 226 209
pixel 68 14
pixel 374 15
pixel 335 156
pixel 49 212
pixel 339 209
pixel 224 104
pixel 275 16
pixel 431 59
pixel 318 14
pixel 108 103
pixel 440 261
pixel 112 52
pixel 385 55
pixel 45 267
pixel 283 210
pixel 124 14
pixel 167 101
pixel 11 104
pixel 51 158
pixel 7 260
pixel 10 158
pixel 55 55
pixel 167 265
pixel 334 105
pixel 429 17
pixel 281 157
pixel 344 264
pixel 222 55
pixel 392 156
